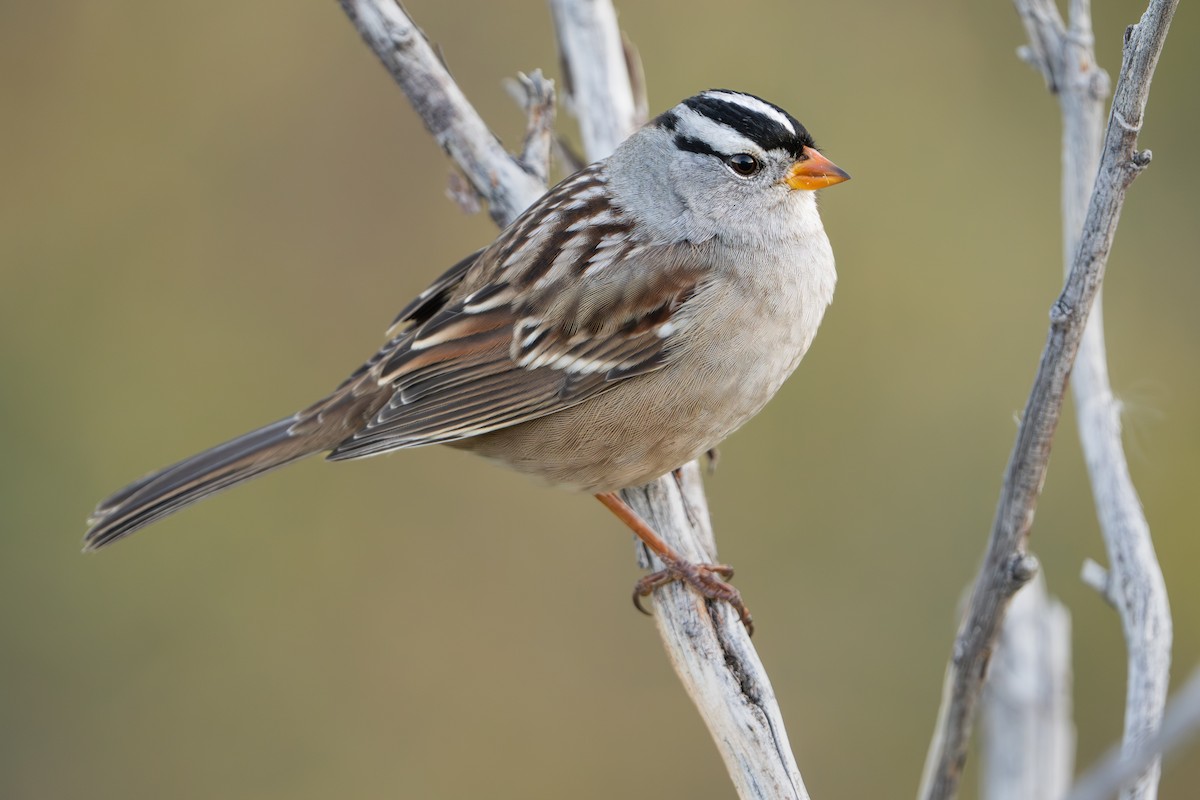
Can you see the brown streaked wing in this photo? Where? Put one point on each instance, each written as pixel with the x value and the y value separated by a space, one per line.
pixel 460 374
pixel 564 305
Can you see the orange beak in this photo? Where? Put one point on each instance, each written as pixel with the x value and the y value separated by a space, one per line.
pixel 814 171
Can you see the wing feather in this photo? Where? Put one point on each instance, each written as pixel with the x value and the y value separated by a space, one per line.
pixel 556 311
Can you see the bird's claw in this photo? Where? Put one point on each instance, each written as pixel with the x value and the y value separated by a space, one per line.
pixel 710 580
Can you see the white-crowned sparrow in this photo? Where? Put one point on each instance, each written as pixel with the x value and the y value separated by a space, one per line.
pixel 630 320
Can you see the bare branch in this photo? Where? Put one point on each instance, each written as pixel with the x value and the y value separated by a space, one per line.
pixel 707 645
pixel 506 183
pixel 536 95
pixel 1096 577
pixel 596 73
pixel 1135 585
pixel 711 651
pixel 1027 735
pixel 1026 472
pixel 1046 31
pixel 1121 765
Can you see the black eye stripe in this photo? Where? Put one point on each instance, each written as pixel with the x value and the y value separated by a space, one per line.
pixel 694 145
pixel 743 164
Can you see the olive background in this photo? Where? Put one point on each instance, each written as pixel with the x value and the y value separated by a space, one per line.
pixel 210 212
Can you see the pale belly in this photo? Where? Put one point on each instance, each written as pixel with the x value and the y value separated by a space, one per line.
pixel 647 426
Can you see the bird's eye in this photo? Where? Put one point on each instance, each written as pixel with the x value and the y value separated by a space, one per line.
pixel 743 164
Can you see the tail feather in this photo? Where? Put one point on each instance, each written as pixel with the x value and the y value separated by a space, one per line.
pixel 170 489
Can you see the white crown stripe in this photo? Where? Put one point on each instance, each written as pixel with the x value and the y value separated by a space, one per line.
pixel 720 137
pixel 755 105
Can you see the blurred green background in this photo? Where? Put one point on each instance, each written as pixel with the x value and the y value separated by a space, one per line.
pixel 210 212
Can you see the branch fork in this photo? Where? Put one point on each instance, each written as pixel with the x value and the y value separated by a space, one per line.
pixel 1096 175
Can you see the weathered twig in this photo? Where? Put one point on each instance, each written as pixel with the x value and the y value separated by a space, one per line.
pixel 708 646
pixel 595 73
pixel 712 653
pixel 1005 566
pixel 1028 739
pixel 1135 585
pixel 1122 765
pixel 536 96
pixel 508 185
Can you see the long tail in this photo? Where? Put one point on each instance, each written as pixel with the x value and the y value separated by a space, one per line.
pixel 170 489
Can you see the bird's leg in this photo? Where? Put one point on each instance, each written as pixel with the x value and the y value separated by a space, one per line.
pixel 710 580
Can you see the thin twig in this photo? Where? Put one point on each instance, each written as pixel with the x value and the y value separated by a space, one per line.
pixel 1096 577
pixel 536 95
pixel 1134 586
pixel 1001 573
pixel 1121 766
pixel 508 185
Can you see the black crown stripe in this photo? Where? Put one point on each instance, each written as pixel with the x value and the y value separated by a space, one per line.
pixel 764 131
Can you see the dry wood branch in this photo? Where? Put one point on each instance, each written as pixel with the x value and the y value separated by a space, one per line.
pixel 1136 589
pixel 536 96
pixel 707 645
pixel 508 185
pixel 1135 585
pixel 1122 764
pixel 1001 573
pixel 596 73
pixel 1028 738
pixel 711 651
